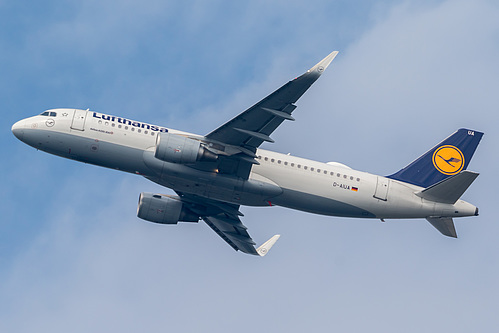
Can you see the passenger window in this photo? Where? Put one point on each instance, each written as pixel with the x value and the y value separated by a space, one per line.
pixel 139 130
pixel 305 167
pixel 311 169
pixel 132 129
pixel 278 161
pixel 285 163
pixel 292 164
pixel 145 132
pixel 272 160
pixel 266 158
pixel 345 176
pixel 331 173
pixel 299 166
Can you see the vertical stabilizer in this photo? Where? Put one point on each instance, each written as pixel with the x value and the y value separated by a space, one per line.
pixel 446 159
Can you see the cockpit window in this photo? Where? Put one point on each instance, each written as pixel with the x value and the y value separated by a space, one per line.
pixel 49 114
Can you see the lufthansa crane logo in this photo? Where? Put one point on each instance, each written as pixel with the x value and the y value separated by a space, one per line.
pixel 50 122
pixel 449 160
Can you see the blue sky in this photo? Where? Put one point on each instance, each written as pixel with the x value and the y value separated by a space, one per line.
pixel 74 256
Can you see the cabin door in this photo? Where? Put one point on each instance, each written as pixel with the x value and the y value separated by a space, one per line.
pixel 79 118
pixel 382 188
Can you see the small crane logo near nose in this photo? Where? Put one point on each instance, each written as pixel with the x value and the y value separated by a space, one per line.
pixel 50 122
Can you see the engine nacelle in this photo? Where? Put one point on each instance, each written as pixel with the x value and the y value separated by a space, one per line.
pixel 179 149
pixel 165 209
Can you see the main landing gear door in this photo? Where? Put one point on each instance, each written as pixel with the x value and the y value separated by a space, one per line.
pixel 79 118
pixel 382 188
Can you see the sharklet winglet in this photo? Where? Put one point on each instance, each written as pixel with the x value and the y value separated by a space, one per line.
pixel 321 66
pixel 265 247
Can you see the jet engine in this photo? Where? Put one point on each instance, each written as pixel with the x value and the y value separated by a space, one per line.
pixel 164 209
pixel 180 149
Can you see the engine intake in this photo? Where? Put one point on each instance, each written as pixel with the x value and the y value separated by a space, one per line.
pixel 164 209
pixel 179 149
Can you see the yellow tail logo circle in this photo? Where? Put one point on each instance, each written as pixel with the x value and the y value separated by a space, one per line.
pixel 449 160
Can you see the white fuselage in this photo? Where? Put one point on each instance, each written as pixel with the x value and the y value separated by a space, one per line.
pixel 283 180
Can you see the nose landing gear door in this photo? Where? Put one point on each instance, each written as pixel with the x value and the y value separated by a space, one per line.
pixel 79 118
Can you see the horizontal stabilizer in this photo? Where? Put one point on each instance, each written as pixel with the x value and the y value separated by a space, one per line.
pixel 443 224
pixel 265 247
pixel 450 189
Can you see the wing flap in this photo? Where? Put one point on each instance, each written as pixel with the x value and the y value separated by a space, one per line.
pixel 232 233
pixel 223 218
pixel 220 233
pixel 281 114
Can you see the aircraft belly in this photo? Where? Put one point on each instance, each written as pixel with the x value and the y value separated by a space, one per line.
pixel 401 202
pixel 87 150
pixel 236 193
pixel 321 193
pixel 115 156
pixel 212 185
pixel 316 204
pixel 326 195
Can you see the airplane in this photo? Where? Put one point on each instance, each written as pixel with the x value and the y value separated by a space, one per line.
pixel 215 174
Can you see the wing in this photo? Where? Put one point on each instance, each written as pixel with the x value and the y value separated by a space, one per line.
pixel 223 218
pixel 241 136
pixel 233 231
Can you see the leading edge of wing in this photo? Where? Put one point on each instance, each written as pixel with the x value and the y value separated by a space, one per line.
pixel 254 126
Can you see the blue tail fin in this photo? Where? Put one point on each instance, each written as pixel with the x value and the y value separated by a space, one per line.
pixel 448 158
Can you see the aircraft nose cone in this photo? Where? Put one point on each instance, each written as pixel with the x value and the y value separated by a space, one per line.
pixel 18 129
